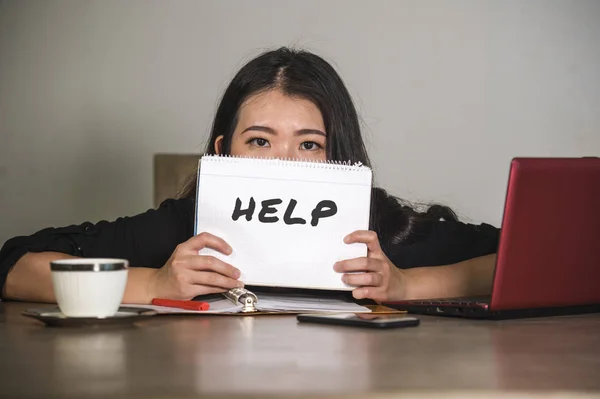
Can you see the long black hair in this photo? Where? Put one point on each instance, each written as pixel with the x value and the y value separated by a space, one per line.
pixel 302 74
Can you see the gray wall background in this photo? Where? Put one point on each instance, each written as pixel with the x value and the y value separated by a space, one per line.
pixel 449 92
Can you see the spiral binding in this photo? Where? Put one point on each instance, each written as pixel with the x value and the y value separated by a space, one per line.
pixel 317 164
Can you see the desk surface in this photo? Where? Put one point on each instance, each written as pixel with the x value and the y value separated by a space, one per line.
pixel 182 357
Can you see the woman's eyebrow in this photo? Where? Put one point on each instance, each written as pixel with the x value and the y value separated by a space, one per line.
pixel 269 130
pixel 310 131
pixel 260 129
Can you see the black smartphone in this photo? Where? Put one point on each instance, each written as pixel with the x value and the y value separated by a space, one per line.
pixel 361 320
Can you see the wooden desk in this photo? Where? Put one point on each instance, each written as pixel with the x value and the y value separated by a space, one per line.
pixel 182 357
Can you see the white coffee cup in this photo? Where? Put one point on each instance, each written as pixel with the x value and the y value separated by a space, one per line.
pixel 89 287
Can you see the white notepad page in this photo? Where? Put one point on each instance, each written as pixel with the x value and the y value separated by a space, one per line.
pixel 276 253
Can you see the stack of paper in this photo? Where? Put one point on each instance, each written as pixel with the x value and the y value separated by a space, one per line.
pixel 291 303
pixel 274 303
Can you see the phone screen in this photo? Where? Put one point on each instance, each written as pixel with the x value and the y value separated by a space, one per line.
pixel 362 319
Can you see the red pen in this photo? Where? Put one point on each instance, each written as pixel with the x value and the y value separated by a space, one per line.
pixel 187 305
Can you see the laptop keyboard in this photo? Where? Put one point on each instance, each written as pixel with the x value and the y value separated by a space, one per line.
pixel 471 301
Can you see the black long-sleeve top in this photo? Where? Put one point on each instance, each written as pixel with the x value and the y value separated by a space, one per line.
pixel 148 240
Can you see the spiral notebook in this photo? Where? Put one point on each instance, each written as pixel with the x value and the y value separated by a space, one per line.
pixel 285 219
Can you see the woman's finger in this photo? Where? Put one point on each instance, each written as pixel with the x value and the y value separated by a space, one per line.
pixel 366 237
pixel 205 290
pixel 371 279
pixel 204 240
pixel 213 279
pixel 375 293
pixel 209 263
pixel 362 292
pixel 358 265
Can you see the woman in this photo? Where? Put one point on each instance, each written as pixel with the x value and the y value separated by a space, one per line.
pixel 286 104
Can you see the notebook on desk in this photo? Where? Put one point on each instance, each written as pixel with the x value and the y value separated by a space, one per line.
pixel 240 301
pixel 548 260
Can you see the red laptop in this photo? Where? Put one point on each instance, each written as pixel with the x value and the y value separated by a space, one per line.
pixel 549 252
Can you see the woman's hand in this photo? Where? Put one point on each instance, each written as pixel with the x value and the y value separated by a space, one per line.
pixel 187 274
pixel 375 276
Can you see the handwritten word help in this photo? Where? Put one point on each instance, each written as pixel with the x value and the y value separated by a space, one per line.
pixel 323 209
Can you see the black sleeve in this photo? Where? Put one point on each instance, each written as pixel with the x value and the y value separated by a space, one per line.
pixel 146 240
pixel 447 242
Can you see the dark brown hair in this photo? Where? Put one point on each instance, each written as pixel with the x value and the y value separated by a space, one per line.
pixel 305 75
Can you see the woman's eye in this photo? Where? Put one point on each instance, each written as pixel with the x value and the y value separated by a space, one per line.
pixel 259 142
pixel 310 146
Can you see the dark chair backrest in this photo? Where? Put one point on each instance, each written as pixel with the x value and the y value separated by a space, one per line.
pixel 171 171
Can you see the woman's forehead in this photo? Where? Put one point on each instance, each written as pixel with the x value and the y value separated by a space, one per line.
pixel 274 107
